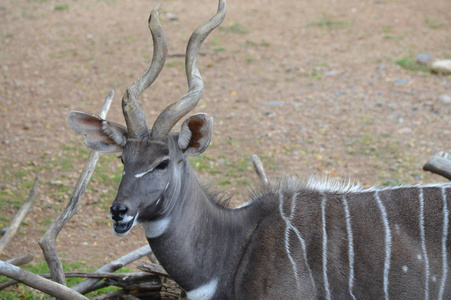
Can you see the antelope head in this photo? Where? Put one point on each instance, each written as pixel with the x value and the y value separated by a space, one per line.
pixel 152 157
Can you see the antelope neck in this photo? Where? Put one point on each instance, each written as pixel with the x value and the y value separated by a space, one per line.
pixel 208 240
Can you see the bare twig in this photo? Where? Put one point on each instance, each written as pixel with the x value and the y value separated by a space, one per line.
pixel 119 276
pixel 8 283
pixel 39 283
pixel 154 269
pixel 89 284
pixel 440 164
pixel 141 283
pixel 105 275
pixel 47 242
pixel 111 295
pixel 12 229
pixel 258 166
pixel 17 261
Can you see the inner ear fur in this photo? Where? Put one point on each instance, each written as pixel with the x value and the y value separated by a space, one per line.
pixel 101 135
pixel 195 135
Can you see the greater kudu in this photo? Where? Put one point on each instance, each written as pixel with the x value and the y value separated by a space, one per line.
pixel 291 241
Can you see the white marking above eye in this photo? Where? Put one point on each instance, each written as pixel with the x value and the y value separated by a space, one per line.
pixel 152 168
pixel 143 173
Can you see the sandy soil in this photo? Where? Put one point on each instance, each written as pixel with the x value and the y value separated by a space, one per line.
pixel 310 86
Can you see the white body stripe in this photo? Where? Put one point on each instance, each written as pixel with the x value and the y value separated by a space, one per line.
pixel 444 241
pixel 287 236
pixel 204 292
pixel 323 219
pixel 387 242
pixel 301 240
pixel 350 246
pixel 423 245
pixel 289 226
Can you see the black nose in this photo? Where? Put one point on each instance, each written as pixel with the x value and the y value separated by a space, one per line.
pixel 118 211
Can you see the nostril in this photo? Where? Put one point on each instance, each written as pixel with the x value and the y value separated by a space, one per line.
pixel 118 211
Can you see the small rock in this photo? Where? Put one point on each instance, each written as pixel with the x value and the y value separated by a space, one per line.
pixel 382 68
pixel 56 182
pixel 424 59
pixel 332 73
pixel 400 80
pixel 171 16
pixel 445 99
pixel 405 130
pixel 3 231
pixel 338 94
pixel 276 103
pixel 441 66
pixel 269 114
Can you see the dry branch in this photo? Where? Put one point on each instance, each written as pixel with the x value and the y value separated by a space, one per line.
pixel 6 284
pixel 12 229
pixel 17 261
pixel 258 166
pixel 111 295
pixel 116 276
pixel 440 164
pixel 47 242
pixel 90 284
pixel 39 283
pixel 141 282
pixel 153 269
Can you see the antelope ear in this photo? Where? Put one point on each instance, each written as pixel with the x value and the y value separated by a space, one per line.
pixel 101 135
pixel 195 134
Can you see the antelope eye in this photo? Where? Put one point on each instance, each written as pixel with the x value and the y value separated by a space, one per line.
pixel 163 165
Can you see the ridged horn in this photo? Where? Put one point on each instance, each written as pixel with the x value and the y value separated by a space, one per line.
pixel 175 111
pixel 134 117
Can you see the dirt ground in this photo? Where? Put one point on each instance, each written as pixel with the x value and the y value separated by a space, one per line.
pixel 312 87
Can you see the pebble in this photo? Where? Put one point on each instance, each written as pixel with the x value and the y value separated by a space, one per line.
pixel 441 66
pixel 171 16
pixel 3 231
pixel 400 80
pixel 332 73
pixel 405 130
pixel 424 59
pixel 445 99
pixel 276 103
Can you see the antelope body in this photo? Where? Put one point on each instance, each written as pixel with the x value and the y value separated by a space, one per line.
pixel 320 240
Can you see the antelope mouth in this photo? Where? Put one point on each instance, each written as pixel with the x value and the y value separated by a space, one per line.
pixel 121 228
